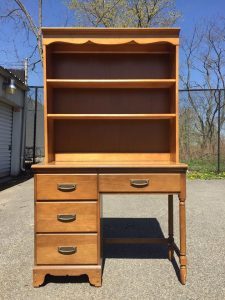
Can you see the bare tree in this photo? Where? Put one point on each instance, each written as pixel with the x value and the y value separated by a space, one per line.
pixel 124 13
pixel 204 68
pixel 20 16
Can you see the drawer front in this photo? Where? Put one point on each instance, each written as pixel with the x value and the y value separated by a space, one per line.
pixel 137 183
pixel 66 187
pixel 59 249
pixel 66 217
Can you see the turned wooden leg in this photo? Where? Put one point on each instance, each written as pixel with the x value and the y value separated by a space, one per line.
pixel 183 259
pixel 38 278
pixel 170 228
pixel 95 278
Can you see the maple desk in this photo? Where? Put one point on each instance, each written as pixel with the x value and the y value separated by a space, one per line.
pixel 167 179
pixel 111 126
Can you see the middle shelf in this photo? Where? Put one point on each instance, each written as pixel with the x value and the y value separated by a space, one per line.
pixel 111 83
pixel 110 116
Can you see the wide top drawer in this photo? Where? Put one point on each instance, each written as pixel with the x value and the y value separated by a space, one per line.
pixel 140 183
pixel 66 187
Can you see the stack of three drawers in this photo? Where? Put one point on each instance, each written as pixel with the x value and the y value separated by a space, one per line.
pixel 67 226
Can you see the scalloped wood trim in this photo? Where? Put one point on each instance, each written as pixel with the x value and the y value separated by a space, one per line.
pixel 94 273
pixel 110 41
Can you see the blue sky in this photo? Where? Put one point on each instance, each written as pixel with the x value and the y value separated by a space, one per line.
pixel 194 11
pixel 55 13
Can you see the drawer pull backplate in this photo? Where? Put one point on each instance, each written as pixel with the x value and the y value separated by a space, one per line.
pixel 67 250
pixel 66 218
pixel 66 187
pixel 139 183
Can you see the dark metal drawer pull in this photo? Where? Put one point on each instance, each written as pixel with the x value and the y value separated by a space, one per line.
pixel 67 250
pixel 139 183
pixel 66 218
pixel 66 187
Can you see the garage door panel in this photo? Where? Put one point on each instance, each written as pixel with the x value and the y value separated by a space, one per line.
pixel 5 138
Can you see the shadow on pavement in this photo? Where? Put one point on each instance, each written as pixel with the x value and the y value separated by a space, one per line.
pixel 65 279
pixel 12 181
pixel 133 228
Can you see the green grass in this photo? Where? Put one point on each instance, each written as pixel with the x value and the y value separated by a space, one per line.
pixel 205 175
pixel 205 169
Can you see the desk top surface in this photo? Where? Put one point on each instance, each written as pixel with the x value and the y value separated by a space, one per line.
pixel 112 165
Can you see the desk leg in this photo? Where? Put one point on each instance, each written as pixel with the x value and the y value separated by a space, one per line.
pixel 170 228
pixel 183 259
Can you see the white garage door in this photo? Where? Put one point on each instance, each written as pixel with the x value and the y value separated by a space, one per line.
pixel 5 139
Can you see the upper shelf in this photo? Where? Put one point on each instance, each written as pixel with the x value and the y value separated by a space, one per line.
pixel 102 65
pixel 111 83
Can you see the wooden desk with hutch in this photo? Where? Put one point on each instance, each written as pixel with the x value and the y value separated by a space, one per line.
pixel 111 126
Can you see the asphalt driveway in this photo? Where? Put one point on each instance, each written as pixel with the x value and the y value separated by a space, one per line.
pixel 130 272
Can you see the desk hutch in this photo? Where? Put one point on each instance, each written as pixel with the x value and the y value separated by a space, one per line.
pixel 111 126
